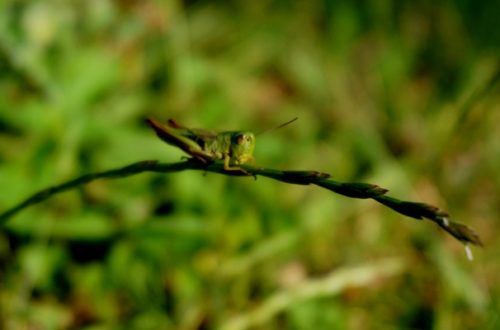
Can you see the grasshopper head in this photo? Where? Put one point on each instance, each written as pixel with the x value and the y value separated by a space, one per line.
pixel 242 146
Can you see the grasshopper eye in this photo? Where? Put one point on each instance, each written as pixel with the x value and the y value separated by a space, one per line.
pixel 242 138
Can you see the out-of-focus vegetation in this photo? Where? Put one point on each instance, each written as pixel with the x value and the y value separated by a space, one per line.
pixel 398 93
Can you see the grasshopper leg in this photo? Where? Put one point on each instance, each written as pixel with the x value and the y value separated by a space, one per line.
pixel 171 135
pixel 228 167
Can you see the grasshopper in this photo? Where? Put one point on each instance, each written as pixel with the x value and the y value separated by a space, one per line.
pixel 235 148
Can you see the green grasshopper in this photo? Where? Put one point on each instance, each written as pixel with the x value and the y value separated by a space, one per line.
pixel 233 147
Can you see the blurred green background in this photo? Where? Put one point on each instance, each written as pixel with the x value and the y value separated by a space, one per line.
pixel 403 94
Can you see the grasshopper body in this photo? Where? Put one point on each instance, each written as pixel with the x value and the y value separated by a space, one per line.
pixel 233 147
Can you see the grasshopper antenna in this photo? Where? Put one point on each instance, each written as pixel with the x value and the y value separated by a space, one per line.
pixel 277 127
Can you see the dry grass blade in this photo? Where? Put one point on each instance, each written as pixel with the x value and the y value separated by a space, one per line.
pixel 354 190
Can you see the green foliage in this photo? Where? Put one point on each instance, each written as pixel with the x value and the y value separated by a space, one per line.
pixel 401 94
